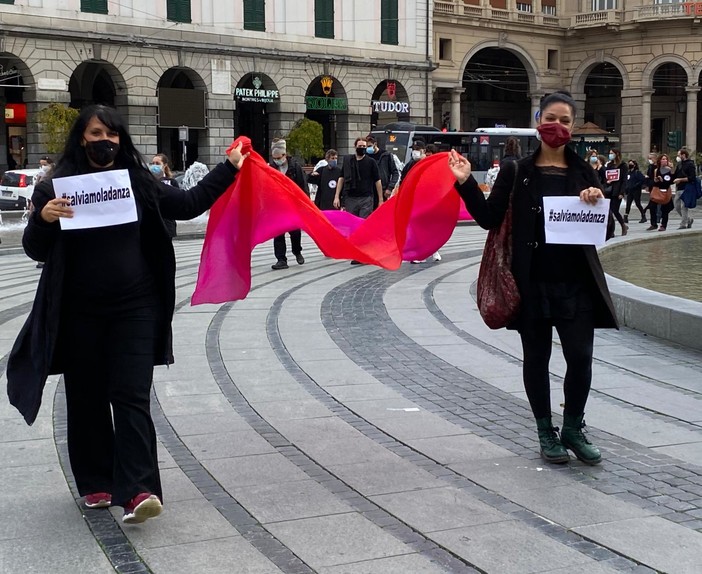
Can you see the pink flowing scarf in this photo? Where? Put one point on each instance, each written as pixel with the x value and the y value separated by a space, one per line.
pixel 263 203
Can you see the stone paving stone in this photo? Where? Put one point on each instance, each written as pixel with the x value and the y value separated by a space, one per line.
pixel 461 448
pixel 185 425
pixel 178 486
pixel 662 400
pixel 410 563
pixel 318 543
pixel 289 501
pixel 180 523
pixel 652 541
pixel 254 470
pixel 195 404
pixel 65 555
pixel 690 452
pixel 24 453
pixel 443 508
pixel 510 548
pixel 227 445
pixel 217 556
pixel 381 477
pixel 502 474
pixel 292 410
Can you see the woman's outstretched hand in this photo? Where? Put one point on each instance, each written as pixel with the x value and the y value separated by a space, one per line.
pixel 591 195
pixel 236 158
pixel 459 166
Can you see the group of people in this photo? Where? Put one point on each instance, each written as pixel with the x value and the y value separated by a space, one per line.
pixel 625 180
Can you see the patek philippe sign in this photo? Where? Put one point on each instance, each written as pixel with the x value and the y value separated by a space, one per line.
pixel 385 106
pixel 256 94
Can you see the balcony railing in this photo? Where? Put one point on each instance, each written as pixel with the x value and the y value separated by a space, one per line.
pixel 601 18
pixel 457 8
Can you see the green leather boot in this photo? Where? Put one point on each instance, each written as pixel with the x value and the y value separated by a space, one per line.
pixel 573 438
pixel 551 448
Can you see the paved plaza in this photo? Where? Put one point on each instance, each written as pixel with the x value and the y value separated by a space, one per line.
pixel 349 420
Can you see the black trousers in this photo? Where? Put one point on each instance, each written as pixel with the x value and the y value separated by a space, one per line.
pixel 666 208
pixel 577 336
pixel 635 197
pixel 109 370
pixel 279 247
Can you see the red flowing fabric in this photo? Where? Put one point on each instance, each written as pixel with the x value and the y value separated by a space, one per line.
pixel 263 203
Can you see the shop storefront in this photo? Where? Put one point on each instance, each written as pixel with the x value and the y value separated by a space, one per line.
pixel 326 103
pixel 390 104
pixel 257 97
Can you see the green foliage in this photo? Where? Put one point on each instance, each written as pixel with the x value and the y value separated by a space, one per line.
pixel 57 120
pixel 306 140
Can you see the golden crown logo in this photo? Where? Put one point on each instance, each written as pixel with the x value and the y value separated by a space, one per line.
pixel 327 82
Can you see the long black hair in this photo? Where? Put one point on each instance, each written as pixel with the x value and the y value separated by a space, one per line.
pixel 74 161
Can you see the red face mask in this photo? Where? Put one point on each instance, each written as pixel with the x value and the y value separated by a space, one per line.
pixel 553 134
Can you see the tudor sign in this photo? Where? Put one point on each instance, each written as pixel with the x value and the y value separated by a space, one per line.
pixel 385 106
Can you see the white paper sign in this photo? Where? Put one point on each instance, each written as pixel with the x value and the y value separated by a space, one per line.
pixel 571 221
pixel 97 199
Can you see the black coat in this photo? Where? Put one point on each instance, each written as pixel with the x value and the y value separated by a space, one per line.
pixel 294 172
pixel 616 188
pixel 326 181
pixel 526 205
pixel 32 358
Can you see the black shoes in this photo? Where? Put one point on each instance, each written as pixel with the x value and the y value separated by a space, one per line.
pixel 642 220
pixel 280 264
pixel 300 259
pixel 573 437
pixel 550 444
pixel 626 218
pixel 354 262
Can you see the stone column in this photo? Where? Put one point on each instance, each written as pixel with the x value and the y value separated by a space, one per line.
pixel 535 102
pixel 456 120
pixel 630 122
pixel 691 118
pixel 646 122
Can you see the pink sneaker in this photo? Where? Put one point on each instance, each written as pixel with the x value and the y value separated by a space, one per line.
pixel 98 500
pixel 142 507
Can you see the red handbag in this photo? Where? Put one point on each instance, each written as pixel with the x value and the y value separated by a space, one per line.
pixel 498 296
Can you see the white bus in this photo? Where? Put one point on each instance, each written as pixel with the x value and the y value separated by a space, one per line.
pixel 481 147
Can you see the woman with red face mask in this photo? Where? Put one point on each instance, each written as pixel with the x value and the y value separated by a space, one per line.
pixel 561 286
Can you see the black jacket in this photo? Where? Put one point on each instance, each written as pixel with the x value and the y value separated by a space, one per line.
pixel 526 205
pixel 32 358
pixel 326 181
pixel 295 173
pixel 616 188
pixel 387 168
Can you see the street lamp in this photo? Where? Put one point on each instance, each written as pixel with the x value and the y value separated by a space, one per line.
pixel 681 105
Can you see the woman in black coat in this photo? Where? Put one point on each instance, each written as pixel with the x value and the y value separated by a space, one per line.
pixel 561 286
pixel 102 313
pixel 616 171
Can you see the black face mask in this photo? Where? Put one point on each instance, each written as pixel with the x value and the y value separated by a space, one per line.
pixel 101 152
pixel 360 151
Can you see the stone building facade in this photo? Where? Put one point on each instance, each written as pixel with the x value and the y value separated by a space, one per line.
pixel 221 69
pixel 632 65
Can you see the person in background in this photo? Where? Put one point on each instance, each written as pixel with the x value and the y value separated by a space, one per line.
pixel 513 150
pixel 162 172
pixel 615 182
pixel 634 185
pixel 326 179
pixel 648 184
pixel 46 165
pixel 102 314
pixel 386 167
pixel 561 286
pixel 491 174
pixel 290 168
pixel 685 173
pixel 662 179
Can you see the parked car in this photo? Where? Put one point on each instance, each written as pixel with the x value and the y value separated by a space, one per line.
pixel 16 188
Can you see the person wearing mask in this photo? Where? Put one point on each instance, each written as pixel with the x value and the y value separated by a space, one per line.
pixel 102 313
pixel 634 185
pixel 161 170
pixel 685 173
pixel 648 184
pixel 326 179
pixel 360 179
pixel 662 179
pixel 290 168
pixel 386 167
pixel 615 182
pixel 561 286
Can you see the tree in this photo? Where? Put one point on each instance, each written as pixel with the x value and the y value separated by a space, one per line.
pixel 306 139
pixel 57 120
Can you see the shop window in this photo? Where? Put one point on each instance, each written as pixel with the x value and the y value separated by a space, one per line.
pixel 324 18
pixel 388 22
pixel 255 15
pixel 445 49
pixel 552 59
pixel 94 6
pixel 178 10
